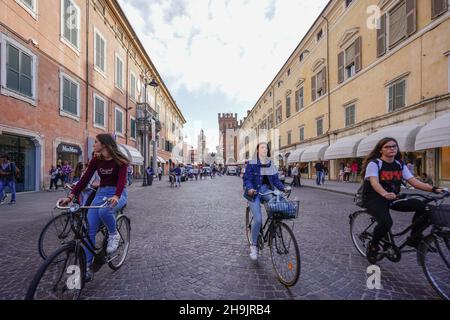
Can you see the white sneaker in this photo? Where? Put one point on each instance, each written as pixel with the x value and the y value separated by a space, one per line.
pixel 253 253
pixel 113 243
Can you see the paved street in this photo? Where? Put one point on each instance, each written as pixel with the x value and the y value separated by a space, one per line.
pixel 189 243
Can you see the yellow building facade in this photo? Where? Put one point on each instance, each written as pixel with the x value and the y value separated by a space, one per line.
pixel 366 68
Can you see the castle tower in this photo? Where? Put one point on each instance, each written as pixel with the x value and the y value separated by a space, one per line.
pixel 228 127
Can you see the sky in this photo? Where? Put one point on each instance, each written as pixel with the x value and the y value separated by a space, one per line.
pixel 218 56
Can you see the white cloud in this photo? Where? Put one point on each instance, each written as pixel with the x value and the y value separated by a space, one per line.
pixel 235 47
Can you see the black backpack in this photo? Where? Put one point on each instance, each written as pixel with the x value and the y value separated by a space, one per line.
pixel 359 196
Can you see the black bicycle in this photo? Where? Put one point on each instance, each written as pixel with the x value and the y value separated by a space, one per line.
pixel 284 251
pixel 62 275
pixel 433 253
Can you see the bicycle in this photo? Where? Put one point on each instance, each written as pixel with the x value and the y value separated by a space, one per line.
pixel 284 250
pixel 62 275
pixel 433 252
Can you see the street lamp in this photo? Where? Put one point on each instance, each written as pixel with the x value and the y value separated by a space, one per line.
pixel 154 84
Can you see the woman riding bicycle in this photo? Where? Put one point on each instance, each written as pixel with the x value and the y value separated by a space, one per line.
pixel 261 176
pixel 383 171
pixel 111 165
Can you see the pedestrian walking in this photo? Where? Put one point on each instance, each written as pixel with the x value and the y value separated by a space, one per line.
pixel 66 172
pixel 150 174
pixel 347 172
pixel 319 172
pixel 8 174
pixel 54 176
pixel 295 173
pixel 355 169
pixel 178 176
pixel 130 172
pixel 341 172
pixel 160 172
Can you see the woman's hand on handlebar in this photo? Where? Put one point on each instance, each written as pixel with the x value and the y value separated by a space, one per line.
pixel 251 192
pixel 64 201
pixel 390 196
pixel 113 201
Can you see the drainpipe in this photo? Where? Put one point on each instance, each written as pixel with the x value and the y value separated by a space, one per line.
pixel 328 79
pixel 87 77
pixel 126 94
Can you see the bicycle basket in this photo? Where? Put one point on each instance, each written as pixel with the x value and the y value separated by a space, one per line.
pixel 440 216
pixel 282 209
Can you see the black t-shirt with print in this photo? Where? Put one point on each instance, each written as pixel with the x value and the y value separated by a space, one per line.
pixel 390 176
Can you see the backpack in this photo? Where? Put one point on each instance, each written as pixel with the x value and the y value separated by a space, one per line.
pixel 359 196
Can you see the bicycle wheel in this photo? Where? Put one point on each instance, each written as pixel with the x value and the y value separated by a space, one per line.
pixel 60 277
pixel 285 254
pixel 55 233
pixel 434 257
pixel 116 260
pixel 248 225
pixel 361 230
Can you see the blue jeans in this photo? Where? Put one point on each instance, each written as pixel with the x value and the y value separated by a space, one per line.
pixel 255 206
pixel 178 180
pixel 319 178
pixel 106 215
pixel 12 186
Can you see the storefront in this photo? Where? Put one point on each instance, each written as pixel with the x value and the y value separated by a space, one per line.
pixel 134 156
pixel 313 155
pixel 70 153
pixel 24 153
pixel 434 139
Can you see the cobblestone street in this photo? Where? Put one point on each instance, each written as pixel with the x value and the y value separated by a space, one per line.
pixel 189 243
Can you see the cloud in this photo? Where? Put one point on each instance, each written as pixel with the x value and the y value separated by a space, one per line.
pixel 232 47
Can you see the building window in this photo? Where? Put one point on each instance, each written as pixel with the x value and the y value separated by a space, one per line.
pixel 119 120
pixel 133 87
pixel 289 138
pixel 119 72
pixel 302 134
pixel 288 107
pixel 70 96
pixel 289 72
pixel 397 95
pixel 99 112
pixel 30 6
pixel 70 24
pixel 133 128
pixel 100 52
pixel 349 61
pixel 348 2
pixel 299 99
pixel 279 116
pixel 319 84
pixel 270 121
pixel 20 69
pixel 438 7
pixel 302 56
pixel 350 116
pixel 396 25
pixel 319 35
pixel 319 127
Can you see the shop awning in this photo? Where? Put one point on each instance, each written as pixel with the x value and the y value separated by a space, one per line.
pixel 344 148
pixel 295 155
pixel 314 153
pixel 436 134
pixel 133 154
pixel 404 134
pixel 161 160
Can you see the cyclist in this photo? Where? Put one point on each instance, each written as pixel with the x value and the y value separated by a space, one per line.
pixel 261 176
pixel 383 171
pixel 111 166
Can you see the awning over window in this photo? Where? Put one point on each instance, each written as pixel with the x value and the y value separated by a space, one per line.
pixel 295 156
pixel 344 148
pixel 436 134
pixel 133 154
pixel 404 134
pixel 314 153
pixel 161 160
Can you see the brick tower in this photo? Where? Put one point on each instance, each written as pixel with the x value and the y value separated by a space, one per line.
pixel 228 127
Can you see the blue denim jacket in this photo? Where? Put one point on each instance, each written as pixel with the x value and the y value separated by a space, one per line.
pixel 253 179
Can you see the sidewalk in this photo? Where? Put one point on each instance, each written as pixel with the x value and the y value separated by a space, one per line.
pixel 347 188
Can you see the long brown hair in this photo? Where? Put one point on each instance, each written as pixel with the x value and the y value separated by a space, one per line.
pixel 79 169
pixel 110 144
pixel 376 153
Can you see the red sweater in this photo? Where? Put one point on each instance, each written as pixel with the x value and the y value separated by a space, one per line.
pixel 111 175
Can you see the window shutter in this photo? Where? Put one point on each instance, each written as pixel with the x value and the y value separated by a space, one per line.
pixel 324 80
pixel 313 88
pixel 391 98
pixel 381 36
pixel 411 17
pixel 438 7
pixel 358 59
pixel 301 97
pixel 341 67
pixel 297 100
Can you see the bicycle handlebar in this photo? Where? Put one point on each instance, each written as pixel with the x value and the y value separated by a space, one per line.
pixel 428 198
pixel 77 207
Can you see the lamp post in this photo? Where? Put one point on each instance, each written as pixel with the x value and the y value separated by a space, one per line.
pixel 154 84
